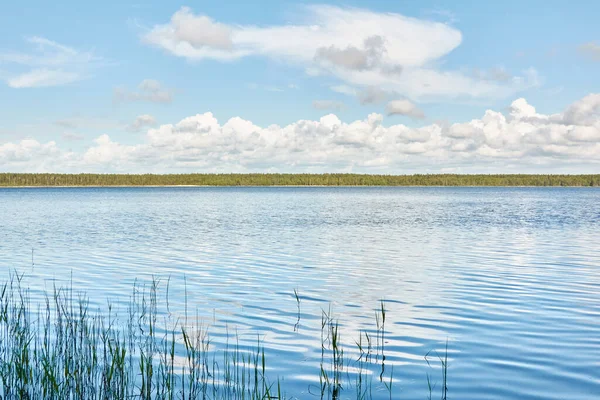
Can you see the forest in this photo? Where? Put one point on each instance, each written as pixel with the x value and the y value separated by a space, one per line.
pixel 49 179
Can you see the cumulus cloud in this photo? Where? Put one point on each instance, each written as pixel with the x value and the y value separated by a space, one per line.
pixel 32 156
pixel 148 90
pixel 328 105
pixel 360 47
pixel 404 107
pixel 48 63
pixel 518 140
pixel 25 149
pixel 584 112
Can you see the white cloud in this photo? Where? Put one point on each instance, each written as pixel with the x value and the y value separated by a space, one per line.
pixel 497 74
pixel 428 84
pixel 404 107
pixel 344 89
pixel 33 156
pixel 369 57
pixel 108 152
pixel 360 47
pixel 48 64
pixel 445 16
pixel 584 112
pixel 142 121
pixel 148 90
pixel 372 95
pixel 26 149
pixel 42 78
pixel 200 31
pixel 520 140
pixel 72 137
pixel 194 36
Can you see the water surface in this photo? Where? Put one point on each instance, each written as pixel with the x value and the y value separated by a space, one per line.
pixel 508 277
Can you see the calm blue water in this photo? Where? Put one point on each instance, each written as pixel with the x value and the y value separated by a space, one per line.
pixel 509 277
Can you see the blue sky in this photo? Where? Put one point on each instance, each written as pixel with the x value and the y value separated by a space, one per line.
pixel 378 86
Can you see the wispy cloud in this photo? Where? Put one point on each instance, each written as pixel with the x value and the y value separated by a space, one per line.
pixel 344 89
pixel 72 137
pixel 272 88
pixel 590 49
pixel 46 63
pixel 361 48
pixel 328 105
pixel 83 122
pixel 372 95
pixel 141 122
pixel 443 15
pixel 42 78
pixel 149 90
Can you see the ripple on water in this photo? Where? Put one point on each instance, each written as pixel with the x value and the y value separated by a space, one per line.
pixel 508 277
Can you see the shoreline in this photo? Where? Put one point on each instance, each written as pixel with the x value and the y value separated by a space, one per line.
pixel 28 180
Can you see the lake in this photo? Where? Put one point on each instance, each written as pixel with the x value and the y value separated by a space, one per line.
pixel 508 278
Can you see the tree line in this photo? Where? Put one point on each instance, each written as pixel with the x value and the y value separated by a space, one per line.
pixel 26 179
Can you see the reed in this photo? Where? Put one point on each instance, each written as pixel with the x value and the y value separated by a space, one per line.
pixel 61 349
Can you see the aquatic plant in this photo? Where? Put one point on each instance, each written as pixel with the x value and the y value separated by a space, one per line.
pixel 61 349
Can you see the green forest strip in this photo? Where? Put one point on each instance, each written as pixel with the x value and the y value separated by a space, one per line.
pixel 53 180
